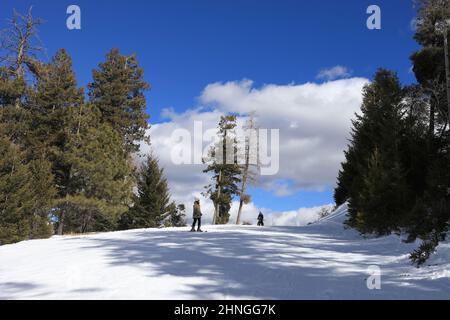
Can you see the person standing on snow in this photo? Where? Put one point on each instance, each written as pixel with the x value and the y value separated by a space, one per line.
pixel 260 219
pixel 197 215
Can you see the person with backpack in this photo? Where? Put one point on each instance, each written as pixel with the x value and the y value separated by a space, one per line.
pixel 197 215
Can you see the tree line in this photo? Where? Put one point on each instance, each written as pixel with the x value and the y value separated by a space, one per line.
pixel 67 155
pixel 396 174
pixel 69 152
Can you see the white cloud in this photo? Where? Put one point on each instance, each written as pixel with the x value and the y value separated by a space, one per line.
pixel 333 73
pixel 314 122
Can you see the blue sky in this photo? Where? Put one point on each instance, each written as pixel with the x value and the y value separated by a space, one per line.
pixel 186 45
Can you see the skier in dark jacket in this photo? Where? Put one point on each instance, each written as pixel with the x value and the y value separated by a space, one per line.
pixel 197 215
pixel 260 219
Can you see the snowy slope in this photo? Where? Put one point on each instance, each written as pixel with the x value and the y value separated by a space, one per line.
pixel 320 261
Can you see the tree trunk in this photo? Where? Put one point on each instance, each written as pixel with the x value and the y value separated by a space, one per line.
pixel 447 71
pixel 244 179
pixel 216 209
pixel 241 202
pixel 431 125
pixel 238 219
pixel 61 223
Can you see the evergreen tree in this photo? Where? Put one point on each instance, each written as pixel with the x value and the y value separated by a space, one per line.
pixel 55 99
pixel 431 12
pixel 152 202
pixel 76 155
pixel 15 122
pixel 19 47
pixel 26 181
pixel 176 216
pixel 346 176
pixel 100 181
pixel 11 88
pixel 54 105
pixel 118 92
pixel 226 172
pixel 431 213
pixel 397 169
pixel 26 192
pixel 376 131
pixel 383 199
pixel 429 64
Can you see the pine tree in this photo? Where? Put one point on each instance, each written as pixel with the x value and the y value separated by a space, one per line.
pixel 11 88
pixel 383 198
pixel 26 192
pixel 378 130
pixel 430 12
pixel 26 179
pixel 56 98
pixel 118 92
pixel 345 179
pixel 100 181
pixel 152 202
pixel 222 162
pixel 176 216
pixel 431 213
pixel 429 62
pixel 76 155
pixel 54 105
pixel 15 122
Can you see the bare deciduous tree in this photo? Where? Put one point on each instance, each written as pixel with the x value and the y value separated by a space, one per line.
pixel 249 170
pixel 20 43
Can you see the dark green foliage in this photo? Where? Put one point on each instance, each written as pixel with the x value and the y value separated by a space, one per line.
pixel 389 178
pixel 430 216
pixel 176 216
pixel 346 176
pixel 152 202
pixel 429 62
pixel 11 88
pixel 222 162
pixel 65 161
pixel 421 255
pixel 383 198
pixel 373 129
pixel 373 177
pixel 397 170
pixel 81 215
pixel 26 191
pixel 53 106
pixel 429 65
pixel 100 181
pixel 56 98
pixel 427 248
pixel 92 171
pixel 26 183
pixel 431 12
pixel 15 121
pixel 118 92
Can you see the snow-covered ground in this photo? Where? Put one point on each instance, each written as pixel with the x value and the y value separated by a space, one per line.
pixel 320 261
